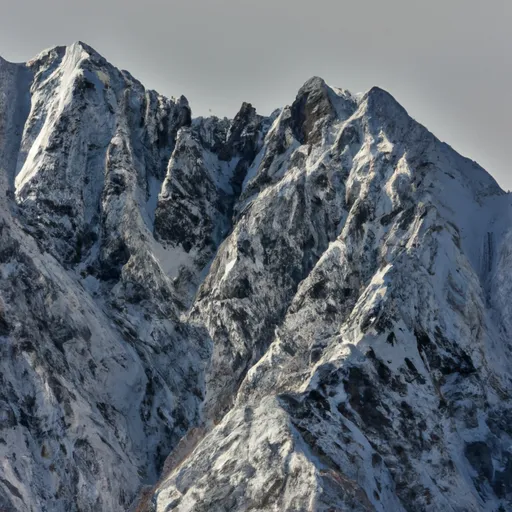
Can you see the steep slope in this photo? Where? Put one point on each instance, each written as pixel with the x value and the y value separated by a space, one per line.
pixel 302 312
pixel 101 376
pixel 353 302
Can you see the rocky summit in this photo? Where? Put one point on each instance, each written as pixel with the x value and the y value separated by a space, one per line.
pixel 309 311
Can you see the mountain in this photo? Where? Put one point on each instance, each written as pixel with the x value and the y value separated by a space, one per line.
pixel 303 312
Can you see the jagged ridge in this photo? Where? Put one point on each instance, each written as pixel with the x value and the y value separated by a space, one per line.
pixel 309 308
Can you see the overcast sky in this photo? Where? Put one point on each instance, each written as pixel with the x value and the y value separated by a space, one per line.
pixel 448 62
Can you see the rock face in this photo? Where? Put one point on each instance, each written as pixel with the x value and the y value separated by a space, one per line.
pixel 307 311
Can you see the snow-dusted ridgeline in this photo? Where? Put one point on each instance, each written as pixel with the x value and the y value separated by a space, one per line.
pixel 307 311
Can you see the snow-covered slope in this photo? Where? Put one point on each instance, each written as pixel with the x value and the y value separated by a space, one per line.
pixel 307 311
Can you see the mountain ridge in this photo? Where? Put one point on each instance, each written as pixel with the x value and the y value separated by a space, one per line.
pixel 305 311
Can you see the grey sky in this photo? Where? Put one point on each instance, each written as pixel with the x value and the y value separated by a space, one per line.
pixel 448 62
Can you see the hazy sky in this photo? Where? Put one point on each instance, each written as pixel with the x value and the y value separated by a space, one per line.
pixel 448 62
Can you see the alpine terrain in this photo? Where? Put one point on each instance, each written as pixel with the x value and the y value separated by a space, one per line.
pixel 309 311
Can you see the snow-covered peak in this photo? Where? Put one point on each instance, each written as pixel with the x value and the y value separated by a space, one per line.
pixel 303 311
